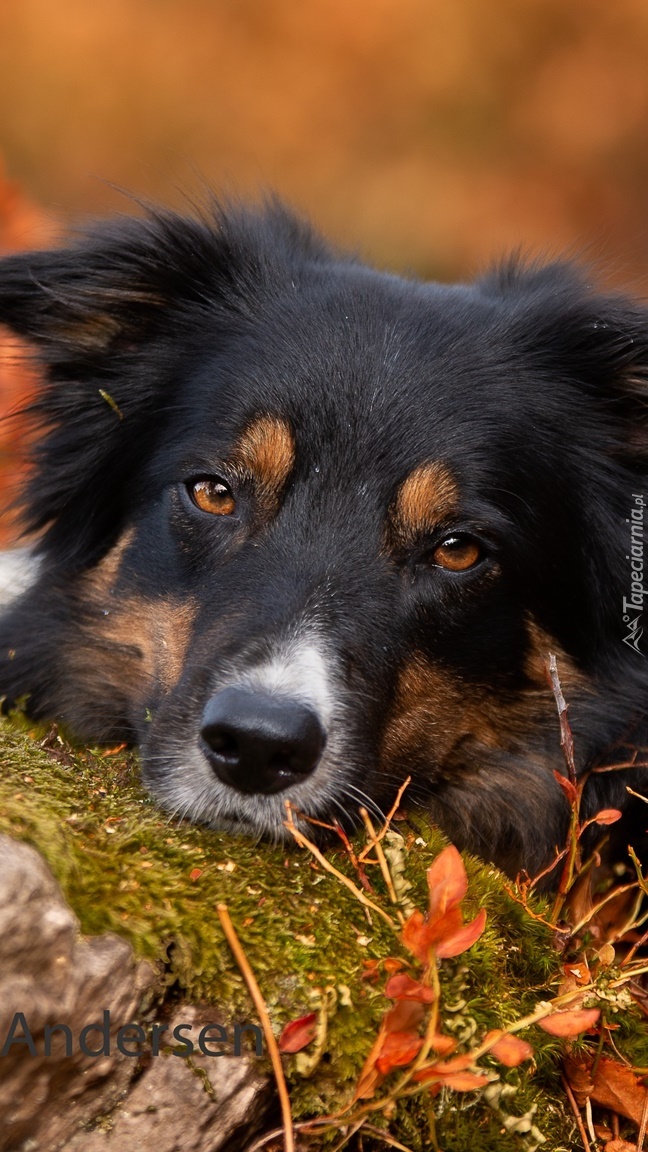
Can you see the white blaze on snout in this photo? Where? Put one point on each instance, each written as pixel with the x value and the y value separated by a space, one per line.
pixel 301 671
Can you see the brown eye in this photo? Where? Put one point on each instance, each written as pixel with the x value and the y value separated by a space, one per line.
pixel 457 553
pixel 212 495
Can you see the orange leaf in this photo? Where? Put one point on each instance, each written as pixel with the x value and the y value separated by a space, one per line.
pixel 447 882
pixel 421 933
pixel 399 1048
pixel 442 1044
pixel 370 1076
pixel 464 938
pixel 509 1050
pixel 402 987
pixel 298 1033
pixel 415 936
pixel 567 787
pixel 569 1023
pixel 452 1073
pixel 391 964
pixel 404 1016
pixel 608 816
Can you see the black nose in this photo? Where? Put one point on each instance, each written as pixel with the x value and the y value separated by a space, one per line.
pixel 260 743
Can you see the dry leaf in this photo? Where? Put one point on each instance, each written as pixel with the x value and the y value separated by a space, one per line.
pixel 297 1034
pixel 570 1023
pixel 402 987
pixel 509 1050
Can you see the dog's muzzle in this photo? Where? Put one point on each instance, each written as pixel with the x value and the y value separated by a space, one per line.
pixel 257 742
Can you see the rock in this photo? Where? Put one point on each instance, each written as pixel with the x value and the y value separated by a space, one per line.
pixel 50 975
pixel 186 1106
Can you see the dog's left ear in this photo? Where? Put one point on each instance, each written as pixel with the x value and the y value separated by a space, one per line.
pixel 597 339
pixel 108 318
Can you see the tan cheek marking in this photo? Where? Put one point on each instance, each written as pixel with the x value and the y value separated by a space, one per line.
pixel 266 453
pixel 132 644
pixel 428 496
pixel 435 712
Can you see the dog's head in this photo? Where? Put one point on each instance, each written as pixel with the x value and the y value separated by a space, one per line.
pixel 307 529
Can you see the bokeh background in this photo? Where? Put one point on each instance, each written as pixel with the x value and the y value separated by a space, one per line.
pixel 429 135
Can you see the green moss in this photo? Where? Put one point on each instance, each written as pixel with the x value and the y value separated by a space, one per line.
pixel 124 867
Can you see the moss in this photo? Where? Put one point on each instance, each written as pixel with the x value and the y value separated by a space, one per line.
pixel 124 867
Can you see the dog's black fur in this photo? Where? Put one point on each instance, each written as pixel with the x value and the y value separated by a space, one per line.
pixel 385 424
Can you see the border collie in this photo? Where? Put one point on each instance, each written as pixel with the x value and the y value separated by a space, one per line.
pixel 305 528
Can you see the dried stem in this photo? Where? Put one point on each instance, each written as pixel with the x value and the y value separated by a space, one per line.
pixel 388 818
pixel 576 1110
pixel 304 842
pixel 384 866
pixel 260 1005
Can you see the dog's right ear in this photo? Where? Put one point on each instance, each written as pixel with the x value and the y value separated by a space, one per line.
pixel 107 317
pixel 98 314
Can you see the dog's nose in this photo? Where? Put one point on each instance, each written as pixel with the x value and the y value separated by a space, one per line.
pixel 260 743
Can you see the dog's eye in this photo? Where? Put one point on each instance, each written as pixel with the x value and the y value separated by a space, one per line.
pixel 457 553
pixel 211 494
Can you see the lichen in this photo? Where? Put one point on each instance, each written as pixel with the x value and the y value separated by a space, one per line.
pixel 125 867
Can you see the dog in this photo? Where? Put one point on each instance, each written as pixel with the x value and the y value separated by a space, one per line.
pixel 305 528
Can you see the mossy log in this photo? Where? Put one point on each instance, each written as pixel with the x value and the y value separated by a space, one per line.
pixel 125 868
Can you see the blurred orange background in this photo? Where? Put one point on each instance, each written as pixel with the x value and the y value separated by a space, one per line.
pixel 429 135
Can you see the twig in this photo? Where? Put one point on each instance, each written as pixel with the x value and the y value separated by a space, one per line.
pixel 348 846
pixel 259 1004
pixel 386 1139
pixel 637 794
pixel 566 738
pixel 384 866
pixel 635 947
pixel 576 1110
pixel 349 1135
pixel 612 895
pixel 388 818
pixel 304 842
pixel 573 860
pixel 644 1120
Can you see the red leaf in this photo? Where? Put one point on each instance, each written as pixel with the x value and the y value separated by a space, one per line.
pixel 568 788
pixel 608 816
pixel 391 964
pixel 420 933
pixel 443 1044
pixel 570 1023
pixel 298 1033
pixel 402 987
pixel 399 1048
pixel 453 1074
pixel 447 882
pixel 460 941
pixel 415 936
pixel 404 1016
pixel 509 1050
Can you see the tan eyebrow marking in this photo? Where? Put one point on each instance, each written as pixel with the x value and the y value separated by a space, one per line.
pixel 266 452
pixel 427 496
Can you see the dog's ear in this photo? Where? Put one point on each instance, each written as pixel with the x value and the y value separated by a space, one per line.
pixel 596 339
pixel 108 316
pixel 93 311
